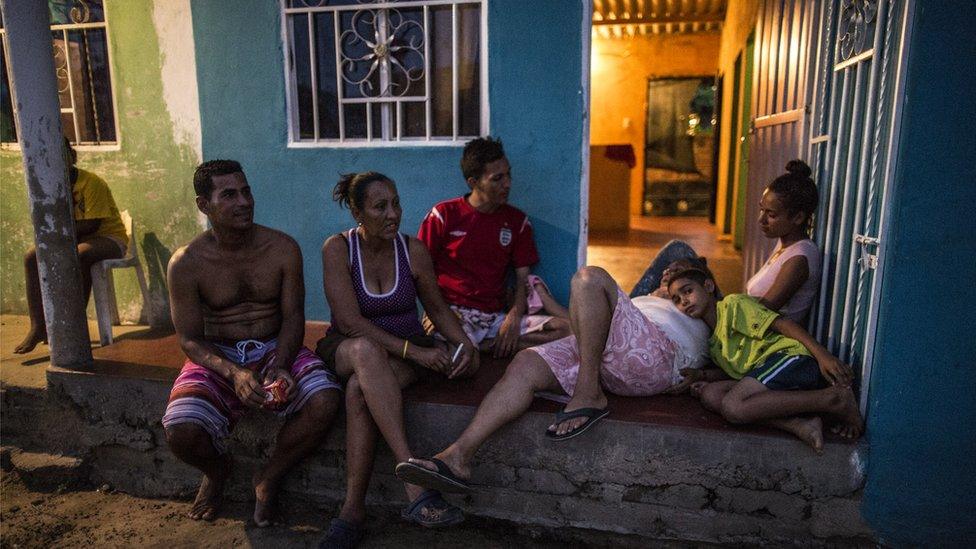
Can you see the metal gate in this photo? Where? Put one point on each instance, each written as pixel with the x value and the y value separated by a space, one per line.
pixel 854 108
pixel 848 56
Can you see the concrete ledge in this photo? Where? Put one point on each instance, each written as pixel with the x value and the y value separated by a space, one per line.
pixel 653 480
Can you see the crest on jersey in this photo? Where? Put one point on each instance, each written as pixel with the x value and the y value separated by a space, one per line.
pixel 505 236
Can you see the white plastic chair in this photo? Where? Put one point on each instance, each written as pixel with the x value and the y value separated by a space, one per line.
pixel 103 284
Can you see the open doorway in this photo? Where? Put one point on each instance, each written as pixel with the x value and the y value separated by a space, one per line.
pixel 679 146
pixel 654 136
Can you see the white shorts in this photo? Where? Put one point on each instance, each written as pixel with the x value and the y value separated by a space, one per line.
pixel 480 326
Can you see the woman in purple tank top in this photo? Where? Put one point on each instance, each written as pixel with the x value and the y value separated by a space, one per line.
pixel 373 275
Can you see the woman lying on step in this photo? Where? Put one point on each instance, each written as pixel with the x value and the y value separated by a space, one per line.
pixel 629 347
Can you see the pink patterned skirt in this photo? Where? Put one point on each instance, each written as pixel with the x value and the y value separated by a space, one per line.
pixel 638 359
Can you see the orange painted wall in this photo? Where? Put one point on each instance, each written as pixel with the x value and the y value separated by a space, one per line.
pixel 620 70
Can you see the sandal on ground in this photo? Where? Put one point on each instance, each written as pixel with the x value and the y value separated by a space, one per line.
pixel 441 479
pixel 431 510
pixel 342 535
pixel 592 415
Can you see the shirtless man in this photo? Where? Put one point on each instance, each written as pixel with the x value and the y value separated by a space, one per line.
pixel 237 297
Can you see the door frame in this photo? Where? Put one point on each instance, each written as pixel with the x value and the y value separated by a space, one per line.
pixel 715 140
pixel 584 197
pixel 743 149
pixel 733 139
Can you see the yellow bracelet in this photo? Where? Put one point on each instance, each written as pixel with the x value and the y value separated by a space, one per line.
pixel 406 343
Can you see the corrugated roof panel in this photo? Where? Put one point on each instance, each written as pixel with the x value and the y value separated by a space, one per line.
pixel 619 18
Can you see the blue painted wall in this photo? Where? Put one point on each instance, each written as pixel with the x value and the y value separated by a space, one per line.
pixel 536 107
pixel 921 477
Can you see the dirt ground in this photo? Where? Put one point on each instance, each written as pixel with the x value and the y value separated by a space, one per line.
pixel 96 518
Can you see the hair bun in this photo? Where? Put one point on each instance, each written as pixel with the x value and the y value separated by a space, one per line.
pixel 798 168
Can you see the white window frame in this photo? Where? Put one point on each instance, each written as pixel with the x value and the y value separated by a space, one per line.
pixel 76 145
pixel 371 141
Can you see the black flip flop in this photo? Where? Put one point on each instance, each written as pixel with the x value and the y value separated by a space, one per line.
pixel 442 479
pixel 431 510
pixel 342 535
pixel 592 416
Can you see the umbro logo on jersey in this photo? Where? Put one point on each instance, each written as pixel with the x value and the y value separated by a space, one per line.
pixel 458 233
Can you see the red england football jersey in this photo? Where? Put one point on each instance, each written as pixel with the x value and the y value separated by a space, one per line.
pixel 472 251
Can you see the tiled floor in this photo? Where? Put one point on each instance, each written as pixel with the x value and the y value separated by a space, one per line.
pixel 625 256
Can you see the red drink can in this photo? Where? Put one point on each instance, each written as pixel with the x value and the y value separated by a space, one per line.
pixel 276 394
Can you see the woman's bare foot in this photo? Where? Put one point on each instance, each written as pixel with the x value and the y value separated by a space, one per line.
pixel 848 413
pixel 809 430
pixel 207 503
pixel 34 336
pixel 413 491
pixel 265 491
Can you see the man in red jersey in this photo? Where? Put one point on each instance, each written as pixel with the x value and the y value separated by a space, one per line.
pixel 474 240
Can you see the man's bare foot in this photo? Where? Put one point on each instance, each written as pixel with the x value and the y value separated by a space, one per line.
pixel 34 336
pixel 697 388
pixel 577 403
pixel 353 512
pixel 458 466
pixel 265 491
pixel 207 503
pixel 848 413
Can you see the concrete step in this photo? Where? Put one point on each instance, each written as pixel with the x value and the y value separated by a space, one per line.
pixel 34 420
pixel 653 480
pixel 44 472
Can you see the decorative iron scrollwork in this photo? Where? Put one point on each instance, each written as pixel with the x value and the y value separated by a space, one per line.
pixel 321 3
pixel 855 19
pixel 61 67
pixel 385 50
pixel 80 12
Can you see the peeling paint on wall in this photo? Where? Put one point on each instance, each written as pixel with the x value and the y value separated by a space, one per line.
pixel 174 27
pixel 150 173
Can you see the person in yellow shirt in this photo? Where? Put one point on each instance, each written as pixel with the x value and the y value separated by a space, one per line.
pixel 771 370
pixel 99 232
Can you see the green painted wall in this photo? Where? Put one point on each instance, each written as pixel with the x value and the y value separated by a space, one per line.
pixel 150 176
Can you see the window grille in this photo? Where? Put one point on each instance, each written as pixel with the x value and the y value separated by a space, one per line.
pixel 79 31
pixel 385 72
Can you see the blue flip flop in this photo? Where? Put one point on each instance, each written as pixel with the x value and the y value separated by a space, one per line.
pixel 342 534
pixel 442 479
pixel 431 510
pixel 592 415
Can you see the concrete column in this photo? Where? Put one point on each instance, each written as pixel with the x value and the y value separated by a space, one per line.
pixel 27 24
